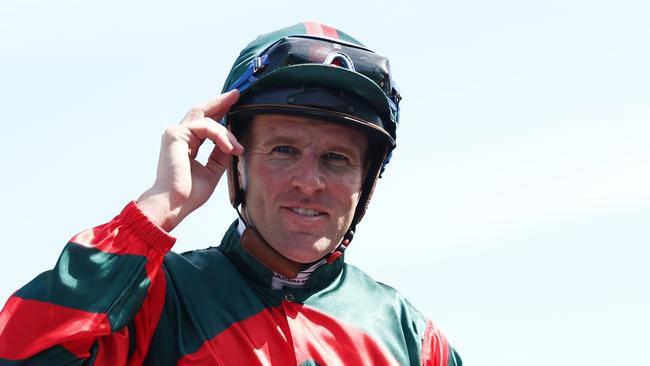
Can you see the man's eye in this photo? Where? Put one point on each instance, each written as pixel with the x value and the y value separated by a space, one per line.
pixel 283 149
pixel 332 156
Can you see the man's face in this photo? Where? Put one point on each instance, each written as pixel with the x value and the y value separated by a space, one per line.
pixel 302 179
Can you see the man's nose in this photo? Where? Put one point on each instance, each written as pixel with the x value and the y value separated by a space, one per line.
pixel 308 175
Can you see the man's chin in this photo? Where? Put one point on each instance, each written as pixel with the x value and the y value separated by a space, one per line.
pixel 305 248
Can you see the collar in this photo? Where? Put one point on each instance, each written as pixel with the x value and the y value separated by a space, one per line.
pixel 311 279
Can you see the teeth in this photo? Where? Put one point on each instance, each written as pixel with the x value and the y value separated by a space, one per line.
pixel 305 211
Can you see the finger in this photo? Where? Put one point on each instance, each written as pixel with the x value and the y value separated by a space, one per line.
pixel 193 114
pixel 238 148
pixel 217 162
pixel 217 107
pixel 207 128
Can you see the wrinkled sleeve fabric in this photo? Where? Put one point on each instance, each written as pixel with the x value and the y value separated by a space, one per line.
pixel 436 351
pixel 98 306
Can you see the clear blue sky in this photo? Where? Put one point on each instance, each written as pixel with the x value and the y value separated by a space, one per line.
pixel 516 210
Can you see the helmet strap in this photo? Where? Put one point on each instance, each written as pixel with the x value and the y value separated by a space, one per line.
pixel 253 242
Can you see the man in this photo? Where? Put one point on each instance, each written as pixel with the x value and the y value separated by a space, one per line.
pixel 309 118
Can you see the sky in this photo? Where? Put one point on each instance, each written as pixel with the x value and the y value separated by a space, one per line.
pixel 515 212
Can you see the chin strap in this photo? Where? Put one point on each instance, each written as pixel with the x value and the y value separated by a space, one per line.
pixel 254 243
pixel 345 243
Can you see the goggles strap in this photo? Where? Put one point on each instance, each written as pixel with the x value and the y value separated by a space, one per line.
pixel 248 78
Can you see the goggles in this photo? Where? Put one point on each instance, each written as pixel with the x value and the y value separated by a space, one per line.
pixel 306 50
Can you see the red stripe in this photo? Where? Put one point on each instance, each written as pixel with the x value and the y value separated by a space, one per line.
pixel 435 349
pixel 318 29
pixel 313 28
pixel 290 335
pixel 330 32
pixel 263 339
pixel 328 341
pixel 29 326
pixel 147 318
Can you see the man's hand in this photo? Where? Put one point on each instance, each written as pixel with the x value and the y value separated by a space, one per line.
pixel 183 184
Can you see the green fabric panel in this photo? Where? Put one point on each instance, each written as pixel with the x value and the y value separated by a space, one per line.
pixel 377 309
pixel 205 295
pixel 133 336
pixel 54 356
pixel 348 38
pixel 90 280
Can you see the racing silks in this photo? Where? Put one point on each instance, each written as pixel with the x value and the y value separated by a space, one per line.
pixel 118 296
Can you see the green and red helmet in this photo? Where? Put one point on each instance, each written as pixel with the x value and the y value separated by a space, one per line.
pixel 314 70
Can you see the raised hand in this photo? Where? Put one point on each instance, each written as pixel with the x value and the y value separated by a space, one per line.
pixel 182 183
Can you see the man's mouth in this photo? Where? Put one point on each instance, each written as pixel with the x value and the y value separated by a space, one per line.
pixel 306 211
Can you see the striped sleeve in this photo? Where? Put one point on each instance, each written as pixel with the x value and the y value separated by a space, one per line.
pixel 99 304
